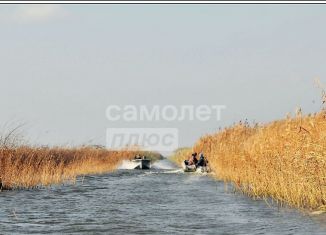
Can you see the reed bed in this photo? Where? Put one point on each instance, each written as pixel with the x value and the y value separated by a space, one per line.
pixel 180 155
pixel 28 167
pixel 283 160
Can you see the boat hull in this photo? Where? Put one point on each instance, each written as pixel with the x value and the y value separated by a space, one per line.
pixel 193 168
pixel 142 164
pixel 187 168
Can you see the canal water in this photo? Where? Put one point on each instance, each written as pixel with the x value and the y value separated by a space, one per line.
pixel 163 200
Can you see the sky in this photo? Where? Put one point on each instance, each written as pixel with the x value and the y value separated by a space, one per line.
pixel 63 65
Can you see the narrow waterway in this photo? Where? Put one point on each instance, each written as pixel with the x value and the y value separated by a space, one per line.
pixel 163 200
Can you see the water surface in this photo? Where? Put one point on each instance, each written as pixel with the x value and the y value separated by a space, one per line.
pixel 157 201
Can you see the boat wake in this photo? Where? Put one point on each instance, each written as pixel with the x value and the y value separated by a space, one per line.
pixel 128 165
pixel 164 165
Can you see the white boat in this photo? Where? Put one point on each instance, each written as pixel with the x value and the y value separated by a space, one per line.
pixel 142 164
pixel 193 168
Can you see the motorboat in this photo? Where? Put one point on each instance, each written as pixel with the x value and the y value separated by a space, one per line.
pixel 142 163
pixel 194 168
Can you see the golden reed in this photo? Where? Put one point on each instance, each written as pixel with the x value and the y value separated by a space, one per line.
pixel 283 160
pixel 27 167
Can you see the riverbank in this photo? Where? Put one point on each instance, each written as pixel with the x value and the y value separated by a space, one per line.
pixel 28 167
pixel 284 160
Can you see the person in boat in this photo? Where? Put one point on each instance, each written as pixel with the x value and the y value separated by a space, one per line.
pixel 193 159
pixel 202 161
pixel 137 156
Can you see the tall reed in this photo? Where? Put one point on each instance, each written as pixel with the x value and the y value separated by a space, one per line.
pixel 284 160
pixel 26 167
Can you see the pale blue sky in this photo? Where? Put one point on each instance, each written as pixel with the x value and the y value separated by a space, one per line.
pixel 62 65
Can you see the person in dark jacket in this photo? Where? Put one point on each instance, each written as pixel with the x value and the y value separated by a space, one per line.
pixel 202 161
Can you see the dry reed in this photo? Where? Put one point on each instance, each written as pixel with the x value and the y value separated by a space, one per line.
pixel 26 167
pixel 284 160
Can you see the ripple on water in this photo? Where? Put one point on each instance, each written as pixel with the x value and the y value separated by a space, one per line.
pixel 158 201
